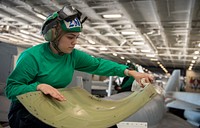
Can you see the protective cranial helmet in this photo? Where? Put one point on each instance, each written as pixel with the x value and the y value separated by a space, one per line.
pixel 68 19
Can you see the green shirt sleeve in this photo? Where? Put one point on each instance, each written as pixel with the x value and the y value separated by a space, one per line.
pixel 86 63
pixel 21 79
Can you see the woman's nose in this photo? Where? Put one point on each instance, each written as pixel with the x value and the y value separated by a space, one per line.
pixel 74 42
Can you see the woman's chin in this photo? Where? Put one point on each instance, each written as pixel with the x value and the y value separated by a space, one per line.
pixel 68 51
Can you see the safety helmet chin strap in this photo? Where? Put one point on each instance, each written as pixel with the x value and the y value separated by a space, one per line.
pixel 59 33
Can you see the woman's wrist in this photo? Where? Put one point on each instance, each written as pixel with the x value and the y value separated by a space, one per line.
pixel 128 72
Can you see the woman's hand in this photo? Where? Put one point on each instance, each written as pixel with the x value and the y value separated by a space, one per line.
pixel 141 77
pixel 47 89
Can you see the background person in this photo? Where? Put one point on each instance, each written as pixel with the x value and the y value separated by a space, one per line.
pixel 127 81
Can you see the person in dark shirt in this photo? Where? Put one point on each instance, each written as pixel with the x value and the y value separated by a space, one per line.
pixel 127 81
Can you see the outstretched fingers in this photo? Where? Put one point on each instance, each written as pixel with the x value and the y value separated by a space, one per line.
pixel 57 95
pixel 49 90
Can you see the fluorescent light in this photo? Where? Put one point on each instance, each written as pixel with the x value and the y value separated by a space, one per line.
pixel 103 49
pixel 122 57
pixel 24 32
pixel 128 61
pixel 161 65
pixel 145 50
pixel 193 61
pixel 112 16
pixel 7 27
pixel 36 23
pixel 152 59
pixel 128 33
pixel 138 43
pixel 123 43
pixel 114 54
pixel 40 16
pixel 111 34
pixel 195 57
pixel 91 42
pixel 102 26
pixel 127 26
pixel 150 55
pixel 196 52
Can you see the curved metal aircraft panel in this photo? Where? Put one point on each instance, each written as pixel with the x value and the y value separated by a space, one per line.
pixel 83 110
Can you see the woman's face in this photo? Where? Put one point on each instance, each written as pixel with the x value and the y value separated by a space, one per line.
pixel 67 42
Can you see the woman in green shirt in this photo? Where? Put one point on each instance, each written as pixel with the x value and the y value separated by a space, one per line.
pixel 49 66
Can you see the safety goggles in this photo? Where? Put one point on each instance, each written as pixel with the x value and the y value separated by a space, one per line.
pixel 69 13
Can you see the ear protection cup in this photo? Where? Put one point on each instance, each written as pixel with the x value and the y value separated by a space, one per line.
pixel 50 35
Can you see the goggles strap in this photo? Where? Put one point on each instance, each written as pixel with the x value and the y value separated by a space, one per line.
pixel 84 20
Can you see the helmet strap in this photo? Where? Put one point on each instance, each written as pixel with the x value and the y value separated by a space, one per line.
pixel 58 33
pixel 55 45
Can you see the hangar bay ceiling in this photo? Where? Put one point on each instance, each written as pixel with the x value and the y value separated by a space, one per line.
pixel 157 34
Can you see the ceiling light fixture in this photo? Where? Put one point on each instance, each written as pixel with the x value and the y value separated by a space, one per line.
pixel 123 43
pixel 138 43
pixel 114 54
pixel 122 57
pixel 196 52
pixel 112 16
pixel 102 26
pixel 40 16
pixel 146 50
pixel 150 55
pixel 128 33
pixel 24 32
pixel 127 26
pixel 152 59
pixel 103 49
pixel 91 42
pixel 195 57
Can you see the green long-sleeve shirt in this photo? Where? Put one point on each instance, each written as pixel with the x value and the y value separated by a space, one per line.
pixel 40 65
